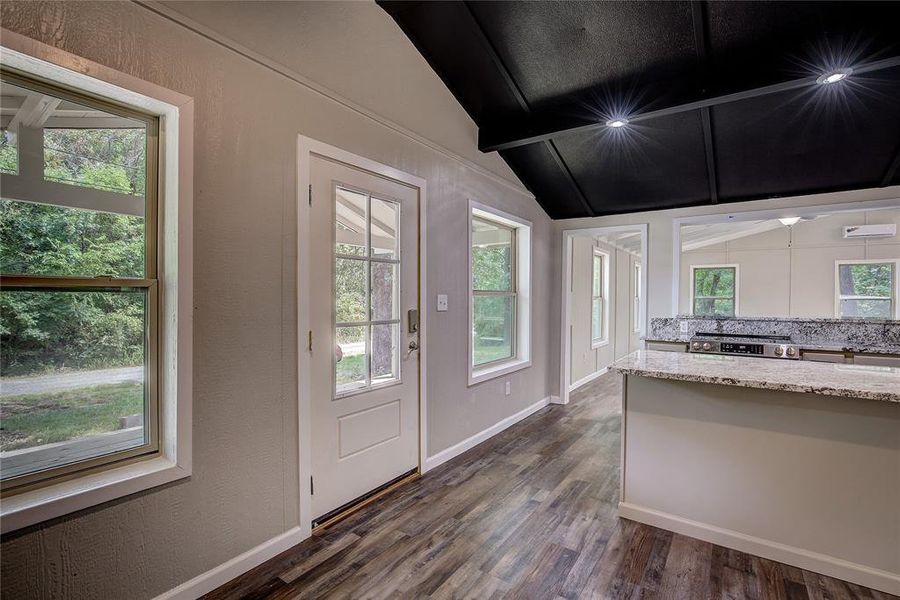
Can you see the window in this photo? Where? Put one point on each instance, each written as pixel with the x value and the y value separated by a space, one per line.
pixel 636 298
pixel 95 323
pixel 499 254
pixel 714 290
pixel 599 287
pixel 79 298
pixel 866 289
pixel 366 291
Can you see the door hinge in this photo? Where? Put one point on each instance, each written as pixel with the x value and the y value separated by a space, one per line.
pixel 309 342
pixel 310 194
pixel 312 486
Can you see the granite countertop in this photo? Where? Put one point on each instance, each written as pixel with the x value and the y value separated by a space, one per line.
pixel 852 381
pixel 853 347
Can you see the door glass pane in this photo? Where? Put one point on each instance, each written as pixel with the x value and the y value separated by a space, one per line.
pixel 491 256
pixel 385 353
pixel 494 318
pixel 351 359
pixel 350 290
pixel 869 309
pixel 73 383
pixel 384 291
pixel 867 279
pixel 385 224
pixel 351 217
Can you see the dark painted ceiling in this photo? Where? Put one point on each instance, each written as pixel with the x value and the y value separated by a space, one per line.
pixel 721 98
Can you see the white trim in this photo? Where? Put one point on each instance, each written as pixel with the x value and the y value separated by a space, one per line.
pixel 637 293
pixel 588 379
pixel 812 561
pixel 305 148
pixel 566 292
pixel 472 441
pixel 895 293
pixel 222 574
pixel 756 215
pixel 524 314
pixel 737 284
pixel 268 63
pixel 175 282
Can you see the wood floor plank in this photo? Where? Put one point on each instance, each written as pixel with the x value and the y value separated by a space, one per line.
pixel 531 513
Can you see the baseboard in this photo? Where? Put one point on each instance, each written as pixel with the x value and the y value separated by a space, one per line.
pixel 453 451
pixel 824 564
pixel 217 576
pixel 588 379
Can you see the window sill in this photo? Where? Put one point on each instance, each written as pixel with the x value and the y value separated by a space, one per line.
pixel 600 344
pixel 494 371
pixel 69 496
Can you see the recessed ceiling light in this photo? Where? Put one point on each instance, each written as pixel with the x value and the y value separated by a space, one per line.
pixel 616 123
pixel 834 76
pixel 788 221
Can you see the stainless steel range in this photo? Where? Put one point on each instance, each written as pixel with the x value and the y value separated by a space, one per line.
pixel 764 346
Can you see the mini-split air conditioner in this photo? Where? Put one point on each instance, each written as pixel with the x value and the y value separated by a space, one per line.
pixel 870 231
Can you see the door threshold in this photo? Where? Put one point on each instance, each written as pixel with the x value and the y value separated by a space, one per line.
pixel 345 510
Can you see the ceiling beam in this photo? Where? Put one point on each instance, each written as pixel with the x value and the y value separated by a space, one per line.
pixel 698 17
pixel 526 107
pixel 540 127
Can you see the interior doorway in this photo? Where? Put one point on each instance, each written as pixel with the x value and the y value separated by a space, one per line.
pixel 604 300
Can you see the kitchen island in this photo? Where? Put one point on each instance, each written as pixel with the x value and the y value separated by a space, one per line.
pixel 796 461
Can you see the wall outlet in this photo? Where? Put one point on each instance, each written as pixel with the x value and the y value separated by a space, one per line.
pixel 683 325
pixel 442 302
pixel 508 388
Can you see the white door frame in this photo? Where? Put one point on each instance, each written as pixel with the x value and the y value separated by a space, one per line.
pixel 565 372
pixel 305 148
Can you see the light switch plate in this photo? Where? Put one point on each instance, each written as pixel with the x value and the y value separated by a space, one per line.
pixel 442 302
pixel 684 326
pixel 508 388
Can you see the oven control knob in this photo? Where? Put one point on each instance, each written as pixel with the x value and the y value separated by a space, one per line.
pixel 779 351
pixel 791 351
pixel 695 345
pixel 706 346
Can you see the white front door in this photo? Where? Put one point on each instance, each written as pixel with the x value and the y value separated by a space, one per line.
pixel 364 262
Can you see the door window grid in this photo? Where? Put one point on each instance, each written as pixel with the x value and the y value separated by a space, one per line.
pixel 369 334
pixel 510 293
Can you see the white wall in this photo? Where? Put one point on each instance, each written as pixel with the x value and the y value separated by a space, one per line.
pixel 244 490
pixel 790 272
pixel 621 338
pixel 660 275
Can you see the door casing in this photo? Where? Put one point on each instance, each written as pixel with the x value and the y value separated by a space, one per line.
pixel 305 148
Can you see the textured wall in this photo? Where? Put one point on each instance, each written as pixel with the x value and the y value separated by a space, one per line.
pixel 244 487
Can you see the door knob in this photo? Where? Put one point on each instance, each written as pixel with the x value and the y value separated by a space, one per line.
pixel 413 346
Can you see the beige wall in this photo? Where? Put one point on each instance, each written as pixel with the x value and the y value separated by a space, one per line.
pixel 790 272
pixel 621 339
pixel 244 487
pixel 660 274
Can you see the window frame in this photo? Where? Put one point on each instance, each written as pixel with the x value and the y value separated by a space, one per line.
pixel 604 258
pixel 172 236
pixel 895 286
pixel 148 284
pixel 520 287
pixel 737 285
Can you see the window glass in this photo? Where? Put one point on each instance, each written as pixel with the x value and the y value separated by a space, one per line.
pixel 492 256
pixel 714 291
pixel 494 324
pixel 77 306
pixel 597 284
pixel 867 290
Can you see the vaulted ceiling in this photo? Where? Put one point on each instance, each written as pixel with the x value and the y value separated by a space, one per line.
pixel 718 101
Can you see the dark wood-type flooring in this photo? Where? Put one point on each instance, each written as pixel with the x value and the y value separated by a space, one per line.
pixel 530 513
